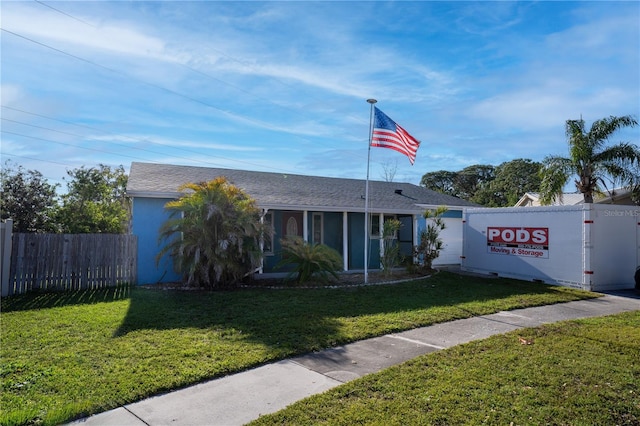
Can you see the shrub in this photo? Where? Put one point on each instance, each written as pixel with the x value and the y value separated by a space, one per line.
pixel 309 260
pixel 213 234
pixel 430 241
pixel 391 255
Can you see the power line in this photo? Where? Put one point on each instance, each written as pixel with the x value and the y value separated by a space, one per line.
pixel 129 146
pixel 243 63
pixel 36 159
pixel 65 13
pixel 68 144
pixel 190 98
pixel 156 86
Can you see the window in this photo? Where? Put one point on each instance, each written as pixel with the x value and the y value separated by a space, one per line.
pixel 292 227
pixel 316 229
pixel 374 225
pixel 267 243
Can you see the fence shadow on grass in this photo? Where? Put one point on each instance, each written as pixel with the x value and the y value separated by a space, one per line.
pixel 45 300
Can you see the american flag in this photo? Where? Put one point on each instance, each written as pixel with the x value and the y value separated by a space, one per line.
pixel 388 134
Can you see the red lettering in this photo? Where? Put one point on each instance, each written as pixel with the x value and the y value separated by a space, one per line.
pixel 520 235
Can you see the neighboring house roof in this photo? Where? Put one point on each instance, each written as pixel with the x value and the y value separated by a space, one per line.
pixel 287 191
pixel 533 199
pixel 615 196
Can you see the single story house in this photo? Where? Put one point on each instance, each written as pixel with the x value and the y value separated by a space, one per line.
pixel 322 210
pixel 620 196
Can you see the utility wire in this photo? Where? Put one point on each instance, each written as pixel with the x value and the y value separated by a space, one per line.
pixel 136 139
pixel 112 70
pixel 243 63
pixel 65 13
pixel 69 144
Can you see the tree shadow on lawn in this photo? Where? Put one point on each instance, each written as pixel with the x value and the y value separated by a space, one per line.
pixel 55 299
pixel 310 319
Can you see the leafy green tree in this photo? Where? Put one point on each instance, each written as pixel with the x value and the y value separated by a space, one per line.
pixel 430 242
pixel 471 179
pixel 95 201
pixel 462 184
pixel 512 180
pixel 590 159
pixel 441 181
pixel 213 234
pixel 309 260
pixel 28 199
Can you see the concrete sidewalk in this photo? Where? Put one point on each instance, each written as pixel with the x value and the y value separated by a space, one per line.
pixel 242 397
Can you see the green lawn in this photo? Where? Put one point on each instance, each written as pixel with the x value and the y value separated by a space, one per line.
pixel 584 372
pixel 70 355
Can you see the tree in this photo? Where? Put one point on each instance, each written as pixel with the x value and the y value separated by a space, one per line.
pixel 590 159
pixel 430 242
pixel 95 201
pixel 471 179
pixel 389 169
pixel 441 181
pixel 512 180
pixel 213 234
pixel 28 199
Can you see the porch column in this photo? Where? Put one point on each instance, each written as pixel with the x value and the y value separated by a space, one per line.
pixel 345 241
pixel 305 226
pixel 415 235
pixel 261 269
pixel 381 242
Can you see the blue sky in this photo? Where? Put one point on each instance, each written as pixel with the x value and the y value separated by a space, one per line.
pixel 282 86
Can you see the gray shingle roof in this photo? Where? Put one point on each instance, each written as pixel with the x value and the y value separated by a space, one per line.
pixel 285 191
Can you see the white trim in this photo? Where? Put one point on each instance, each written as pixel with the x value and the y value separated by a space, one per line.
pixel 305 225
pixel 345 241
pixel 381 229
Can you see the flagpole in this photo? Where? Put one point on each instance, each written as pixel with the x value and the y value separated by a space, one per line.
pixel 366 198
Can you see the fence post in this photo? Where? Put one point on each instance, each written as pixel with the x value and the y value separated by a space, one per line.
pixel 6 233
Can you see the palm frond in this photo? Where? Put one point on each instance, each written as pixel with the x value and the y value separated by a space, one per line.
pixel 555 173
pixel 605 127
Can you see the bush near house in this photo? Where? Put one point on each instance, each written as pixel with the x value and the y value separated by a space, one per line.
pixel 309 260
pixel 430 242
pixel 213 234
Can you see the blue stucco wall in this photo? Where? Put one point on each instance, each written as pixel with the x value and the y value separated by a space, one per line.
pixel 356 244
pixel 148 216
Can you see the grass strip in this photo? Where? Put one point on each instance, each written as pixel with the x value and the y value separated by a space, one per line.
pixel 70 355
pixel 582 372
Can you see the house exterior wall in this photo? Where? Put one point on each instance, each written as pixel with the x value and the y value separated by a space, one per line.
pixel 148 215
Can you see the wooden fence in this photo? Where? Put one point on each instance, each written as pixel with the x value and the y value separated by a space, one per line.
pixel 54 262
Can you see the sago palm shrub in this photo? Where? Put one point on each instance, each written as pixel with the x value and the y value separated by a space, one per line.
pixel 310 261
pixel 213 234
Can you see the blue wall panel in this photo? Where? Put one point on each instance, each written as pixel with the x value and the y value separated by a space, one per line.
pixel 148 216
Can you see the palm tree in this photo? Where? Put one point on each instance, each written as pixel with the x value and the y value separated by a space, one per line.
pixel 213 234
pixel 591 160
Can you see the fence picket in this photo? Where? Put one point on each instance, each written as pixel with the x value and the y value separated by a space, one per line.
pixel 54 262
